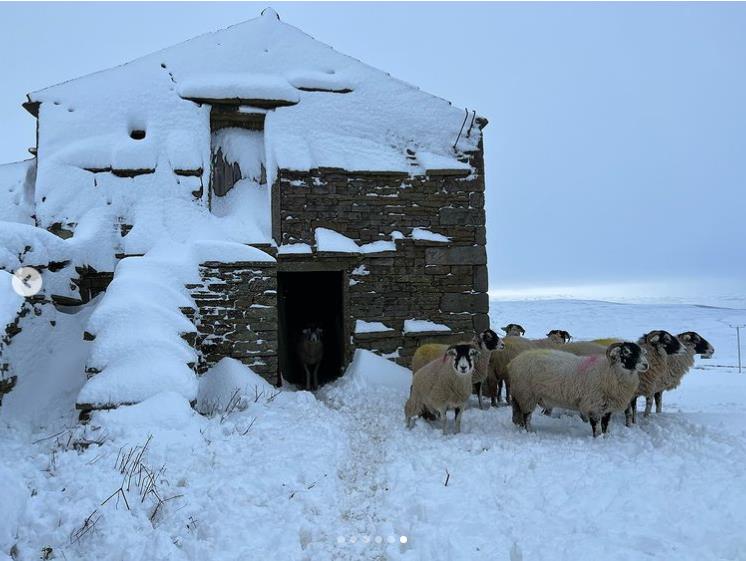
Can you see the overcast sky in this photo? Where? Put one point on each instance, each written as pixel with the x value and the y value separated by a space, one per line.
pixel 616 149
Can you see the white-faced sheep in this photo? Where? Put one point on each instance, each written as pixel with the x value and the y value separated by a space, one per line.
pixel 596 385
pixel 442 385
pixel 659 346
pixel 487 341
pixel 679 364
pixel 498 375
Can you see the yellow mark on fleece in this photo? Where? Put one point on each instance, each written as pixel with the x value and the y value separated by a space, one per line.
pixel 606 342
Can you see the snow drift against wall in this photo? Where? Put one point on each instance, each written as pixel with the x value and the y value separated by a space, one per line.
pixel 17 191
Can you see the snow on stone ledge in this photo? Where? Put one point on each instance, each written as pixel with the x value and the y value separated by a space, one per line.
pixel 378 246
pixel 331 241
pixel 367 370
pixel 435 162
pixel 239 86
pixel 427 235
pixel 362 326
pixel 294 248
pixel 422 325
pixel 227 252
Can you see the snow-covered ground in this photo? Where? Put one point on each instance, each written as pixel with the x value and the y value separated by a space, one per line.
pixel 337 476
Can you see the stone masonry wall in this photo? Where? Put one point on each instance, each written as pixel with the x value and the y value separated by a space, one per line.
pixel 236 315
pixel 441 282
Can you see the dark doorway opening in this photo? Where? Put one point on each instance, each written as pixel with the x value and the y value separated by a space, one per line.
pixel 311 299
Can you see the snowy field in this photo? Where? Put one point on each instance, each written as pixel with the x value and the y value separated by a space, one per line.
pixel 337 476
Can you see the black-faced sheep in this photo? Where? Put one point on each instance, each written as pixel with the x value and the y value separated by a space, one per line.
pixel 659 346
pixel 680 364
pixel 514 330
pixel 442 385
pixel 559 336
pixel 487 341
pixel 596 385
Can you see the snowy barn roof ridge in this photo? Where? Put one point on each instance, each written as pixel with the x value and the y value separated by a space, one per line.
pixel 267 15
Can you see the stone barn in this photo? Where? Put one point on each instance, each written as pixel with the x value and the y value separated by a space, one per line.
pixel 360 197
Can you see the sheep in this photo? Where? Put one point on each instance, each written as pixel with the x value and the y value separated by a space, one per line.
pixel 514 330
pixel 498 375
pixel 585 348
pixel 596 385
pixel 443 384
pixel 487 341
pixel 679 364
pixel 559 336
pixel 659 345
pixel 310 352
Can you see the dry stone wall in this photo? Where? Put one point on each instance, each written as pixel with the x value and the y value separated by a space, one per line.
pixel 236 315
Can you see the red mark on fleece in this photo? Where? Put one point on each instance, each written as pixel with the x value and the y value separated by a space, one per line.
pixel 587 363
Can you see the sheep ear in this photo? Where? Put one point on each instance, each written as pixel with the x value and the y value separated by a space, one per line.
pixel 505 329
pixel 523 331
pixel 613 352
pixel 654 338
pixel 451 351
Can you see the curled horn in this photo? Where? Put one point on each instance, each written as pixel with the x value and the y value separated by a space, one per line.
pixel 612 352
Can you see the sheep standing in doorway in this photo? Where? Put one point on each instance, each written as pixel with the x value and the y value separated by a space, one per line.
pixel 310 353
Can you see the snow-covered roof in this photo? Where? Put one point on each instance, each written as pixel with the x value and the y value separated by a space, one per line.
pixel 323 109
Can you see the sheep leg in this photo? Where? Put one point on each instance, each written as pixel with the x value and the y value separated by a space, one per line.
pixel 499 393
pixel 594 425
pixel 444 415
pixel 658 402
pixel 507 391
pixel 648 406
pixel 316 376
pixel 308 376
pixel 527 421
pixel 605 423
pixel 458 420
pixel 633 407
pixel 479 394
pixel 628 416
pixel 517 414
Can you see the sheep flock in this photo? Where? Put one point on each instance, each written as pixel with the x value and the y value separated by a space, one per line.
pixel 594 378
